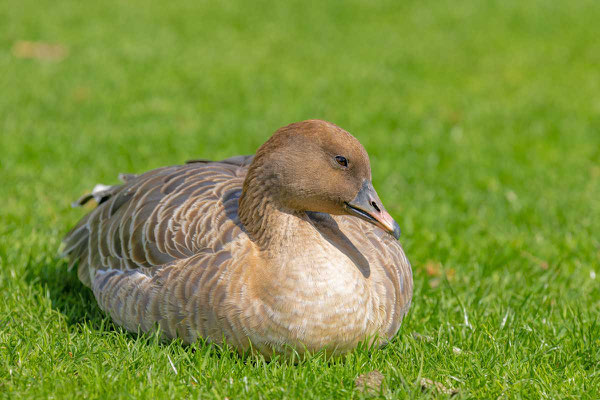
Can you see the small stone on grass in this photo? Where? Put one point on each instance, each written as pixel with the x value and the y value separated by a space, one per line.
pixel 370 382
pixel 429 385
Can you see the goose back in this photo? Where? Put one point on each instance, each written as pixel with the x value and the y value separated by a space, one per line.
pixel 161 216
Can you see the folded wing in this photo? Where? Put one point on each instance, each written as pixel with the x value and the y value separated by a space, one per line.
pixel 159 217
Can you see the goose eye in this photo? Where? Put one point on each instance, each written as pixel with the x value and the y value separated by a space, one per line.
pixel 342 161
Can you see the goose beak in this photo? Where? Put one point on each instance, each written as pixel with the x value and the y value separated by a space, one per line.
pixel 366 205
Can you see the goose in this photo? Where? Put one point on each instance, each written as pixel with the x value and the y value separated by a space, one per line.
pixel 289 250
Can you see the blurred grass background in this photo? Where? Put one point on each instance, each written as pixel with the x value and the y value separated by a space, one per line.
pixel 482 120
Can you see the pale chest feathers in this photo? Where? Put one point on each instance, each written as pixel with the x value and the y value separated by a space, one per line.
pixel 320 294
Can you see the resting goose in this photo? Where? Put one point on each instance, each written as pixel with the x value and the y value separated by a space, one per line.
pixel 288 249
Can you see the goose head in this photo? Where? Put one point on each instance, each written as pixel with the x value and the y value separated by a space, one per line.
pixel 317 166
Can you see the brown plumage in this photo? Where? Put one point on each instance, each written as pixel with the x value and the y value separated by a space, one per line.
pixel 287 248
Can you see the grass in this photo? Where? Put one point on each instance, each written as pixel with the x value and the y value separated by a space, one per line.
pixel 482 120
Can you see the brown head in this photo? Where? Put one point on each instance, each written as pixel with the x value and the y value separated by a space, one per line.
pixel 317 166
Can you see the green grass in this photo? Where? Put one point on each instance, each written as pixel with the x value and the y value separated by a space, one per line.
pixel 482 120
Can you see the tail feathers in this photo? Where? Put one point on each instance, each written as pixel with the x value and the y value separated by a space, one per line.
pixel 83 269
pixel 74 239
pixel 100 193
pixel 75 244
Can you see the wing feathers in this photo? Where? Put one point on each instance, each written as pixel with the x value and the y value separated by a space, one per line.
pixel 156 218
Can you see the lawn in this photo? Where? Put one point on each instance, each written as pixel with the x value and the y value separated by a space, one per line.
pixel 482 121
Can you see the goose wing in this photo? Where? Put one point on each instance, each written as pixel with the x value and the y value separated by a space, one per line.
pixel 159 217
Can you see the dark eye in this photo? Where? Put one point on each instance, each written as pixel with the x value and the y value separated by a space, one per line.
pixel 342 161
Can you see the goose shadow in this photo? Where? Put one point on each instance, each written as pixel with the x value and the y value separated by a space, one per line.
pixel 329 229
pixel 67 294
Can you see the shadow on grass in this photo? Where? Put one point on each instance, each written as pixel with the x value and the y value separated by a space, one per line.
pixel 67 294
